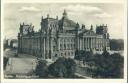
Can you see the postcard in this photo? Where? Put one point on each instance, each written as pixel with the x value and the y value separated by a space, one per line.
pixel 81 41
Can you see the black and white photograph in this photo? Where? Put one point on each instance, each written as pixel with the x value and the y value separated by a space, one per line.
pixel 63 40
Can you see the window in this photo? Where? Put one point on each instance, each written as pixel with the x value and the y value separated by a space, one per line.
pixel 61 54
pixel 64 40
pixel 68 53
pixel 55 55
pixel 71 46
pixel 50 25
pixel 71 40
pixel 65 53
pixel 60 46
pixel 68 46
pixel 54 47
pixel 64 46
pixel 72 53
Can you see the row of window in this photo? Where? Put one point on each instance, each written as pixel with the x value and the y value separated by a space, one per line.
pixel 67 46
pixel 53 25
pixel 67 40
pixel 68 54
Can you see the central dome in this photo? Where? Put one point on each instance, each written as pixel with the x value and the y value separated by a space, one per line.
pixel 65 22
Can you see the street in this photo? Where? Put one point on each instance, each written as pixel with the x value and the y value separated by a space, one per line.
pixel 23 64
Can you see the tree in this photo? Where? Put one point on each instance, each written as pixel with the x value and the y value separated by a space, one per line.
pixel 42 69
pixel 104 65
pixel 6 59
pixel 71 67
pixel 88 56
pixel 105 52
pixel 57 69
pixel 78 55
pixel 118 65
pixel 84 56
pixel 63 67
pixel 108 66
pixel 117 44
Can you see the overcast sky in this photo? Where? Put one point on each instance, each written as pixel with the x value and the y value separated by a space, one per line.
pixel 83 13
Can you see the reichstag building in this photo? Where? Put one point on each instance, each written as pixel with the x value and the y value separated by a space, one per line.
pixel 61 38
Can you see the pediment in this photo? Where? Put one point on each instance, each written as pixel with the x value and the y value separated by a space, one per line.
pixel 90 33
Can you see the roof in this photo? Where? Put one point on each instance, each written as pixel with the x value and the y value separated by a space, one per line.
pixel 89 33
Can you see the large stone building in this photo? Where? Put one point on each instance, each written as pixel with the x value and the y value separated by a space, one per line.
pixel 61 37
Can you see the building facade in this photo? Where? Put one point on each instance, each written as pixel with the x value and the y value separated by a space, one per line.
pixel 61 37
pixel 14 43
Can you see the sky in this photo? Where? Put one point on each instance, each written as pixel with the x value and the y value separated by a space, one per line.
pixel 111 14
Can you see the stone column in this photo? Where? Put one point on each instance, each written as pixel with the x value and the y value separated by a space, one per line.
pixel 52 45
pixel 99 43
pixel 29 46
pixel 62 40
pixel 59 44
pixel 91 42
pixel 102 43
pixel 85 43
pixel 23 45
pixel 88 42
pixel 66 43
pixel 44 39
pixel 80 44
pixel 69 44
pixel 95 42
